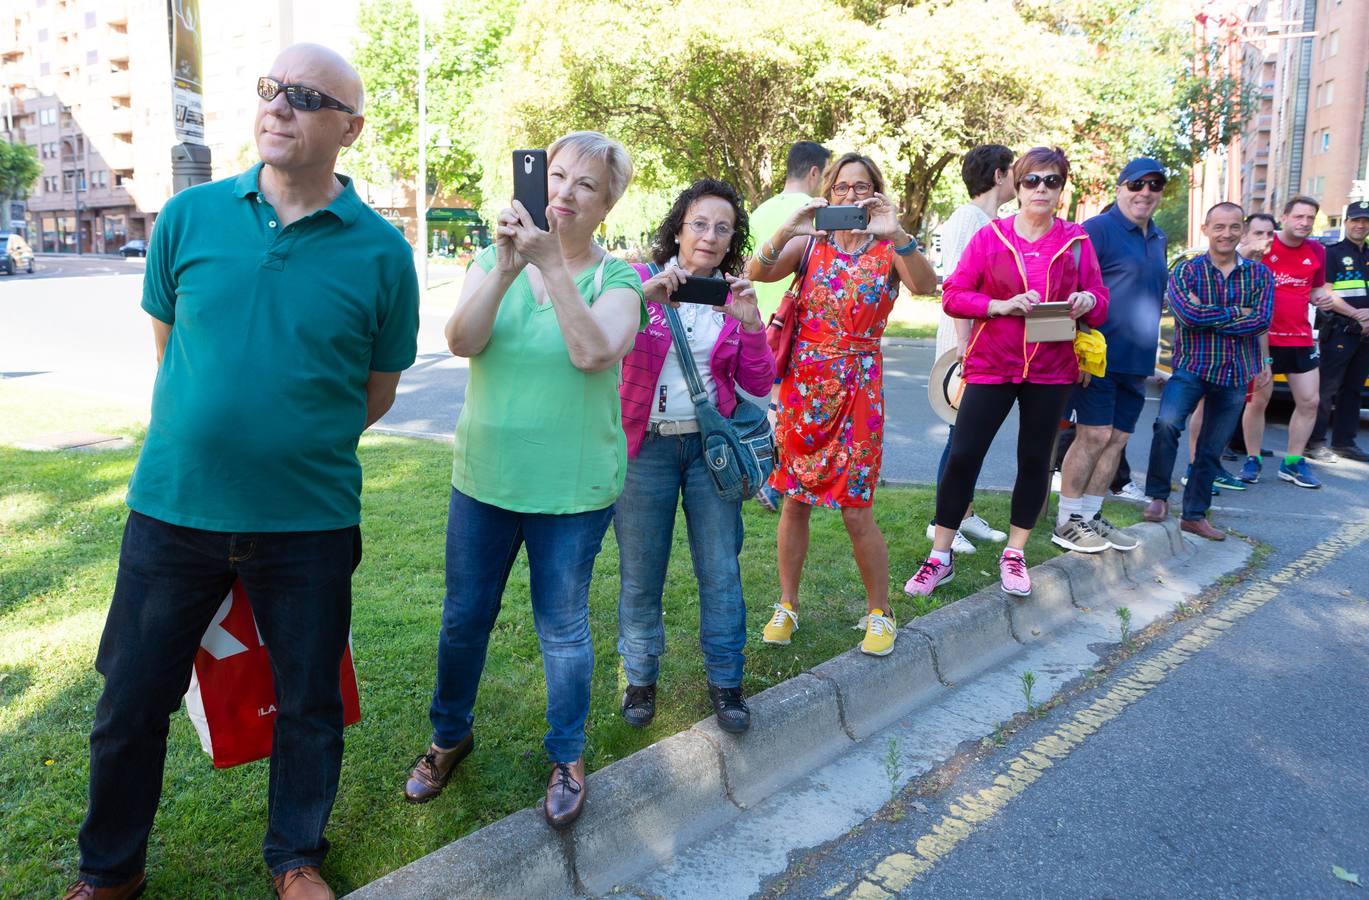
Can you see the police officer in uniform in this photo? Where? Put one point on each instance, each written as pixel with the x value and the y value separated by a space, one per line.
pixel 1344 335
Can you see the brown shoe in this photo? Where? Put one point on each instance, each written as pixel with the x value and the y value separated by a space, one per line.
pixel 1202 528
pixel 433 770
pixel 84 890
pixel 565 793
pixel 303 883
pixel 1156 511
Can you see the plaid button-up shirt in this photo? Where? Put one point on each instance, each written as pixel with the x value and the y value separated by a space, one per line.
pixel 1212 338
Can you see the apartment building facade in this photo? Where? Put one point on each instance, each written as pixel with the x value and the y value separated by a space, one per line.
pixel 87 85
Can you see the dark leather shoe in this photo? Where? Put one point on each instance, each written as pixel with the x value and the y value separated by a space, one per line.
pixel 639 705
pixel 1202 528
pixel 302 883
pixel 84 890
pixel 1352 451
pixel 565 794
pixel 433 770
pixel 1156 511
pixel 734 716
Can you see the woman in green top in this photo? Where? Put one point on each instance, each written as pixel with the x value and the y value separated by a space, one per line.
pixel 545 318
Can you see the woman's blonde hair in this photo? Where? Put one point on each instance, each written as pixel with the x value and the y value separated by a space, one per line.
pixel 593 145
pixel 829 176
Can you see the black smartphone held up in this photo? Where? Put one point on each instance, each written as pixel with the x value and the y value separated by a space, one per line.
pixel 530 184
pixel 706 291
pixel 840 218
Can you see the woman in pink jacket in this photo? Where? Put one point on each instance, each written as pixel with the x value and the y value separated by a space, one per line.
pixel 1011 265
pixel 705 233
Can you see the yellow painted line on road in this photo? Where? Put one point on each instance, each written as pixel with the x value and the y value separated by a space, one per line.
pixel 895 872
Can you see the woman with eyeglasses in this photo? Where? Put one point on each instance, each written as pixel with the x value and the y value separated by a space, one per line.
pixel 1011 265
pixel 704 234
pixel 830 425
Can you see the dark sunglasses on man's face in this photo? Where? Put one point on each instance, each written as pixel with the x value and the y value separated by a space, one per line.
pixel 1156 185
pixel 299 96
pixel 1032 182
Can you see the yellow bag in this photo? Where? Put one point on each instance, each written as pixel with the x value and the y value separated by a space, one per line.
pixel 1091 349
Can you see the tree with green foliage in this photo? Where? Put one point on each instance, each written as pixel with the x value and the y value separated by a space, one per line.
pixel 464 39
pixel 19 169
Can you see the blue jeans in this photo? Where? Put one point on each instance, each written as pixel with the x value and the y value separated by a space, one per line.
pixel 1220 412
pixel 482 543
pixel 170 583
pixel 644 521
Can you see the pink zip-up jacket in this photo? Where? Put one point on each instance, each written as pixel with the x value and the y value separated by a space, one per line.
pixel 992 269
pixel 739 359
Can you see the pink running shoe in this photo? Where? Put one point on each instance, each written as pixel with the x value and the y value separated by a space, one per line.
pixel 929 575
pixel 1012 570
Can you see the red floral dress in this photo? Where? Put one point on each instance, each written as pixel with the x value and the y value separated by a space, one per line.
pixel 830 426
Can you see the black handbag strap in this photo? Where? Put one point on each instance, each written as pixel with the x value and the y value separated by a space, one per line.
pixel 677 335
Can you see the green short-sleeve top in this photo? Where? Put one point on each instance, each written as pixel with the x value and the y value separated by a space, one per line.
pixel 536 434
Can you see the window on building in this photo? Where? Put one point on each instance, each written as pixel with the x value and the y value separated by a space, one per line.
pixel 90 20
pixel 45 69
pixel 42 35
pixel 92 56
pixel 1330 45
pixel 1325 139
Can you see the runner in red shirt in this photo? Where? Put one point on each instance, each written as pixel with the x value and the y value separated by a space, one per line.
pixel 1299 267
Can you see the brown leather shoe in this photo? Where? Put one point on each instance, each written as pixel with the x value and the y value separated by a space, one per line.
pixel 1156 511
pixel 565 793
pixel 1202 528
pixel 433 770
pixel 303 883
pixel 84 890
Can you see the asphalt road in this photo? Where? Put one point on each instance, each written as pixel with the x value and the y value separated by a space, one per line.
pixel 1243 773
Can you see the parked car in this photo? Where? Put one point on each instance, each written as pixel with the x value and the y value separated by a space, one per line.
pixel 1165 354
pixel 17 254
pixel 133 248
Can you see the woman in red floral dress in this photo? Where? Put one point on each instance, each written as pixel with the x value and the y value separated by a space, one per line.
pixel 830 426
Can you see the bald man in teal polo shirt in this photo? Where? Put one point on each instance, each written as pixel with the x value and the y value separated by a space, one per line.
pixel 284 310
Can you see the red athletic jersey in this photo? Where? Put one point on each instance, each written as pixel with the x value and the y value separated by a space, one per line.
pixel 1297 270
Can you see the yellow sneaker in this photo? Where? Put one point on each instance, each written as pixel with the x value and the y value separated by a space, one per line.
pixel 880 632
pixel 782 626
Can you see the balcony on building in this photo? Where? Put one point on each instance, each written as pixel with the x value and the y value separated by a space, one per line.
pixel 119 85
pixel 11 55
pixel 114 44
pixel 121 123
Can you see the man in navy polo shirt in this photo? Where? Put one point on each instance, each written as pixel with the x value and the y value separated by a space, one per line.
pixel 1131 250
pixel 284 310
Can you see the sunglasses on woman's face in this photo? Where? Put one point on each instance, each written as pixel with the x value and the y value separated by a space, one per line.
pixel 1156 185
pixel 299 96
pixel 1032 182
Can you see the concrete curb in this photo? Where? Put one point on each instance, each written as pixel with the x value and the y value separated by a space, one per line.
pixel 640 810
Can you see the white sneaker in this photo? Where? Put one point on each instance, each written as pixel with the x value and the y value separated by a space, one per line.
pixel 959 544
pixel 1131 491
pixel 976 527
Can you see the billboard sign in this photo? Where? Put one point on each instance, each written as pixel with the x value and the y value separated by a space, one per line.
pixel 187 91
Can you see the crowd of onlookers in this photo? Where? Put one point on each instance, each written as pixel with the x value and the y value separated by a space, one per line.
pixel 284 311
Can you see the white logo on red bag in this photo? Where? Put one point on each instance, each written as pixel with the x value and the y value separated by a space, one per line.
pixel 218 641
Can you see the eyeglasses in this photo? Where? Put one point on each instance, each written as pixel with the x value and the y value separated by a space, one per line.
pixel 1032 182
pixel 299 96
pixel 1156 185
pixel 722 229
pixel 859 188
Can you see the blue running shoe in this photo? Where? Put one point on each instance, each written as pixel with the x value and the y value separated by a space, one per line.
pixel 1299 474
pixel 1216 484
pixel 1250 472
pixel 1227 481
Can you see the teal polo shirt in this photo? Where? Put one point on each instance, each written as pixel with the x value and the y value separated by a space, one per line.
pixel 261 395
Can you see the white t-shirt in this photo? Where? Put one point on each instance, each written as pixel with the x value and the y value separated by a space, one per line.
pixel 702 326
pixel 955 237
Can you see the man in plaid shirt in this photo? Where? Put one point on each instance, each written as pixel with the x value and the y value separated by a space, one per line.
pixel 1221 303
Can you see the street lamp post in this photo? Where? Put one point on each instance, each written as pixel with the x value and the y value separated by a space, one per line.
pixel 75 188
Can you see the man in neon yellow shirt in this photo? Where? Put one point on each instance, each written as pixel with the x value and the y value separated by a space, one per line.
pixel 802 179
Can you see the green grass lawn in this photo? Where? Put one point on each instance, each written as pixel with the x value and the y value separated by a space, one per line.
pixel 61 516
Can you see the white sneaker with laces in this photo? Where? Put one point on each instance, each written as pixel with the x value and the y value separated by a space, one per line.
pixel 960 544
pixel 1131 491
pixel 975 527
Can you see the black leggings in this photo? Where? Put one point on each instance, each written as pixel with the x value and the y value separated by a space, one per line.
pixel 983 407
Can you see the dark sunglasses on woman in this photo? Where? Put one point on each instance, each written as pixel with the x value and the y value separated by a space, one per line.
pixel 1032 182
pixel 1156 185
pixel 299 96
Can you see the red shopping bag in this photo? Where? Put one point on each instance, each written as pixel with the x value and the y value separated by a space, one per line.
pixel 232 698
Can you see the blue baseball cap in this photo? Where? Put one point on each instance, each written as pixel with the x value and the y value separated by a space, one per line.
pixel 1140 167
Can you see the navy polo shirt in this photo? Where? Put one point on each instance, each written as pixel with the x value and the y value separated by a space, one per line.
pixel 261 394
pixel 1135 272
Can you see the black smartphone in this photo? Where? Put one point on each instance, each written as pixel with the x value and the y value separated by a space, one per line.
pixel 703 290
pixel 840 218
pixel 530 184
